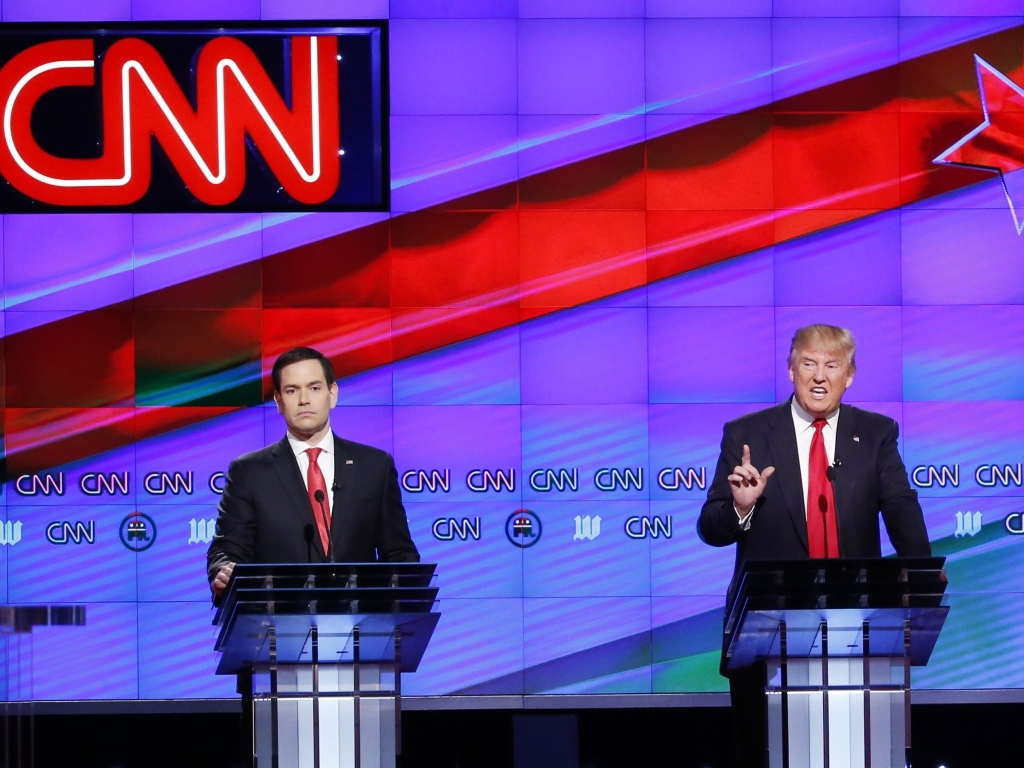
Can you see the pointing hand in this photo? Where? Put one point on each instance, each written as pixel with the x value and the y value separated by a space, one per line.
pixel 747 483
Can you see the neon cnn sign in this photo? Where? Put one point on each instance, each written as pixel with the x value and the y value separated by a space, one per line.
pixel 246 133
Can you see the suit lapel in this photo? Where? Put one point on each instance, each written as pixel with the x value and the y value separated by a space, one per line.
pixel 848 455
pixel 287 469
pixel 786 460
pixel 344 479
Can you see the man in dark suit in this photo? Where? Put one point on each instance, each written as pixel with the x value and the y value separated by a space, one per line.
pixel 311 497
pixel 828 470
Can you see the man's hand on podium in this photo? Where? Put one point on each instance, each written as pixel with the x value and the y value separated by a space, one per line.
pixel 220 581
pixel 747 484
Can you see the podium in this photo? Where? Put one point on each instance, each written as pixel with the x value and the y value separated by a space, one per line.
pixel 838 638
pixel 322 648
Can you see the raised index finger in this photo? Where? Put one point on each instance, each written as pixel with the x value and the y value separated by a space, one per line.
pixel 746 455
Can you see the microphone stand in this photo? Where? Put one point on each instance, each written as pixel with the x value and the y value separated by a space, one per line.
pixel 307 533
pixel 830 473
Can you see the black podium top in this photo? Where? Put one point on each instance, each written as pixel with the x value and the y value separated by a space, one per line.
pixel 885 592
pixel 284 603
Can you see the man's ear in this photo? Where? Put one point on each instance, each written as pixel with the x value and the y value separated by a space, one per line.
pixel 334 393
pixel 792 376
pixel 280 405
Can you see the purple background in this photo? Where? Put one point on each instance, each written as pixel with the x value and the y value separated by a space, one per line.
pixel 485 93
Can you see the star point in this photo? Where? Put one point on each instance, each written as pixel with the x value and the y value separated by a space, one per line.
pixel 997 143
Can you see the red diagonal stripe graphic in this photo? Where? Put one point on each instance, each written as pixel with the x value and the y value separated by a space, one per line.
pixel 558 239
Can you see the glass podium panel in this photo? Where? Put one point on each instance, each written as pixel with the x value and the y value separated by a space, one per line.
pixel 17 623
pixel 321 650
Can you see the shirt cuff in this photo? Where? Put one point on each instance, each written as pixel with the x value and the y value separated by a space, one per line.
pixel 744 520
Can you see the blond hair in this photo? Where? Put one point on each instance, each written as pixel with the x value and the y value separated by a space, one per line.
pixel 831 338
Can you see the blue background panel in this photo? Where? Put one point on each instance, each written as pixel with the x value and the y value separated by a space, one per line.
pixel 689 359
pixel 485 636
pixel 708 66
pixel 99 660
pixel 610 565
pixel 487 567
pixel 571 647
pixel 586 355
pixel 40 572
pixel 170 633
pixel 453 67
pixel 587 438
pixel 580 66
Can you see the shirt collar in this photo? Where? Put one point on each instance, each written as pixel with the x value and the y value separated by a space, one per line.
pixel 326 444
pixel 804 421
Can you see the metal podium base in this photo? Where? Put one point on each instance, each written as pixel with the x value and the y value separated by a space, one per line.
pixel 807 731
pixel 346 718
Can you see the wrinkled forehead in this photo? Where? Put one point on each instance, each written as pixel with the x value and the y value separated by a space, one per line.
pixel 822 351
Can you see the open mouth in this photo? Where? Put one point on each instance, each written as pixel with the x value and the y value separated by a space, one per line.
pixel 818 392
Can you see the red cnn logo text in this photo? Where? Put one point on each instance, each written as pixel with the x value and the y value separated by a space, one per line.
pixel 234 96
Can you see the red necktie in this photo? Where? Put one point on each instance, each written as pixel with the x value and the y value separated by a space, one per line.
pixel 315 482
pixel 822 536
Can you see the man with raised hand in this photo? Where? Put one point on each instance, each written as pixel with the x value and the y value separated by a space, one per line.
pixel 806 479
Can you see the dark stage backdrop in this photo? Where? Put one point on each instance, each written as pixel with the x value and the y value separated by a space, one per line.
pixel 603 232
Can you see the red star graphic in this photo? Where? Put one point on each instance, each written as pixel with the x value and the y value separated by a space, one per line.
pixel 997 144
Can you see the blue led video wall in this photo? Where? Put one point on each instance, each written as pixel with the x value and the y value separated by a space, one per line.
pixel 607 219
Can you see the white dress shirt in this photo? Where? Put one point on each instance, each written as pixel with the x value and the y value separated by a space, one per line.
pixel 325 461
pixel 803 423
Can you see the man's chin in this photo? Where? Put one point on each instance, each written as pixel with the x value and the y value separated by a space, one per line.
pixel 306 428
pixel 819 409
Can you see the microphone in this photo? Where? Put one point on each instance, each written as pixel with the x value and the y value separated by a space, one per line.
pixel 319 496
pixel 307 533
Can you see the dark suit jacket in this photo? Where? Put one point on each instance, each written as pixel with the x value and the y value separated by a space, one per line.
pixel 869 479
pixel 264 511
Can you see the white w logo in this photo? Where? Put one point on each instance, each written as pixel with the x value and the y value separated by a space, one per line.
pixel 202 530
pixel 10 533
pixel 587 528
pixel 967 524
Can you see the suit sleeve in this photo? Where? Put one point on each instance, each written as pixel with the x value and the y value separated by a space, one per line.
pixel 719 525
pixel 901 511
pixel 395 544
pixel 235 539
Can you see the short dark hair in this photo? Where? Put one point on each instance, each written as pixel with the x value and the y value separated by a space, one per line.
pixel 297 355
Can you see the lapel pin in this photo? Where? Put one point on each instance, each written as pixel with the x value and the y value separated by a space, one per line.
pixel 856 439
pixel 349 461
